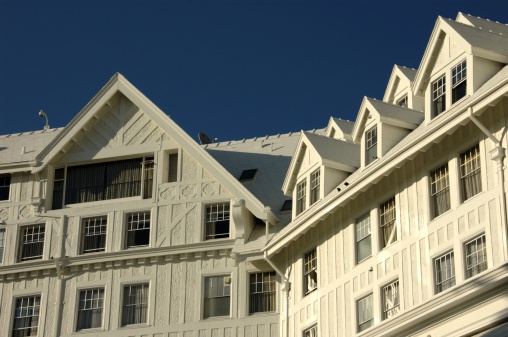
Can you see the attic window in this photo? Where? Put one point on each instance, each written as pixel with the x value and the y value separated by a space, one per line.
pixel 459 81
pixel 402 102
pixel 248 175
pixel 287 206
pixel 439 96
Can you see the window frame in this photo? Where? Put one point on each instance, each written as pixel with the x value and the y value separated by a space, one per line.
pixel 434 195
pixel 359 221
pixel 459 71
pixel 310 265
pixel 128 230
pixel 123 306
pixel 23 235
pixel 451 280
pixel 371 142
pixel 359 324
pixel 208 220
pixel 271 284
pixel 389 206
pixel 15 309
pixel 470 169
pixel 403 101
pixel 5 184
pixel 204 294
pixel 438 96
pixel 315 186
pixel 311 331
pixel 396 308
pixel 483 265
pixel 301 196
pixel 3 235
pixel 82 250
pixel 78 307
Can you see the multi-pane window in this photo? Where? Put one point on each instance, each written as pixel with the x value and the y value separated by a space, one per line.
pixel 217 296
pixel 365 313
pixel 103 181
pixel 90 309
pixel 402 102
pixel 387 219
pixel 94 234
pixel 391 300
pixel 262 292
pixel 138 229
pixel 363 238
pixel 311 332
pixel 439 96
pixel 440 190
pixel 2 244
pixel 310 271
pixel 476 256
pixel 5 186
pixel 32 242
pixel 371 145
pixel 135 304
pixel 301 194
pixel 314 186
pixel 26 316
pixel 470 172
pixel 444 267
pixel 459 82
pixel 217 221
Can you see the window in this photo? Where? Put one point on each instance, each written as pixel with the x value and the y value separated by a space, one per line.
pixel 365 313
pixel 91 306
pixel 387 219
pixel 103 181
pixel 5 186
pixel 217 221
pixel 138 229
pixel 26 316
pixel 217 296
pixel 173 168
pixel 440 190
pixel 371 145
pixel 470 172
pixel 2 244
pixel 459 82
pixel 445 272
pixel 135 304
pixel 402 102
pixel 476 256
pixel 32 242
pixel 314 186
pixel 310 271
pixel 311 332
pixel 363 241
pixel 439 96
pixel 301 194
pixel 391 301
pixel 262 292
pixel 94 234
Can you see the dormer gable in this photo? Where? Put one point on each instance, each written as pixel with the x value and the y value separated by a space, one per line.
pixel 399 89
pixel 319 164
pixel 380 126
pixel 459 59
pixel 339 129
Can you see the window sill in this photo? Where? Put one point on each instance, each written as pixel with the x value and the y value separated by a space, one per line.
pixel 219 239
pixel 263 313
pixel 85 331
pixel 133 326
pixel 214 318
pixel 309 292
pixel 362 261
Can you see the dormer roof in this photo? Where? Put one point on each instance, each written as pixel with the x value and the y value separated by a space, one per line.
pixel 474 40
pixel 386 113
pixel 400 74
pixel 342 128
pixel 119 84
pixel 333 153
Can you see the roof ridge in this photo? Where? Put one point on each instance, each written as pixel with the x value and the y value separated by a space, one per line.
pixel 391 104
pixel 476 28
pixel 479 17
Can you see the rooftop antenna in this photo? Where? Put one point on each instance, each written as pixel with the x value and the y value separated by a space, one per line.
pixel 204 139
pixel 43 114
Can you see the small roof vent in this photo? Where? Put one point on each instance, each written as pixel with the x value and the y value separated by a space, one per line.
pixel 248 175
pixel 287 205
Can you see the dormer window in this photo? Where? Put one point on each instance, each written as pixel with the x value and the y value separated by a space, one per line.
pixel 5 185
pixel 459 81
pixel 370 145
pixel 439 96
pixel 402 102
pixel 301 194
pixel 314 186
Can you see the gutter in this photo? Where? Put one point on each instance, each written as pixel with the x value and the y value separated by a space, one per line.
pixel 286 288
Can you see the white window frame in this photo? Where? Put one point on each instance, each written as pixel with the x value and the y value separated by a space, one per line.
pixel 444 272
pixel 134 226
pixel 35 307
pixel 264 288
pixel 371 143
pixel 31 239
pixel 438 88
pixel 301 196
pixel 93 304
pixel 226 284
pixel 470 171
pixel 315 185
pixel 459 77
pixel 387 220
pixel 217 213
pixel 3 234
pixel 123 322
pixel 83 233
pixel 479 256
pixel 310 276
pixel 390 296
pixel 403 101
pixel 440 185
pixel 5 184
pixel 363 230
pixel 366 303
pixel 311 332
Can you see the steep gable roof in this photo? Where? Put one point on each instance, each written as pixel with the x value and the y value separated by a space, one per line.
pixel 399 74
pixel 118 83
pixel 473 40
pixel 334 153
pixel 387 113
pixel 344 127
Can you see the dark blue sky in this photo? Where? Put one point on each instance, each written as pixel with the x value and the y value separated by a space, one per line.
pixel 233 69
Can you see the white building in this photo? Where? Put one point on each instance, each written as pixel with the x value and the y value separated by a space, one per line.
pixel 120 224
